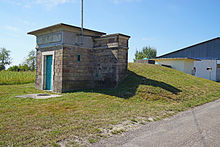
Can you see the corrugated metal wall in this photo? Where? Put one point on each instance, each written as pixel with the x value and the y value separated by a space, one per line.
pixel 207 50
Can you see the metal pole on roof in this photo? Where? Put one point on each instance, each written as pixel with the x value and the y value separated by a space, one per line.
pixel 82 22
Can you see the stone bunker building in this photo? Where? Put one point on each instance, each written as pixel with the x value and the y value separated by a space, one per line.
pixel 65 64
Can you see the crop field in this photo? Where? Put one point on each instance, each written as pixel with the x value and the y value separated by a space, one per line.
pixel 10 77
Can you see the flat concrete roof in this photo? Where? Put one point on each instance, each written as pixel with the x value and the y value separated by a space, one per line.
pixel 117 34
pixel 63 25
pixel 157 59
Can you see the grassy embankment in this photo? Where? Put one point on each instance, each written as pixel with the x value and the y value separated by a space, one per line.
pixel 149 91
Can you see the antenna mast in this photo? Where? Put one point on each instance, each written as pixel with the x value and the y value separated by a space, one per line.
pixel 82 22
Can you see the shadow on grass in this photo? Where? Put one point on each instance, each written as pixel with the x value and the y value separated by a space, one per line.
pixel 128 87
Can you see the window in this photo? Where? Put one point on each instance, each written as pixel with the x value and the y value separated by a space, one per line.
pixel 78 58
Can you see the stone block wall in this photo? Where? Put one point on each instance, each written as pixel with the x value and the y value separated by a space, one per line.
pixel 122 64
pixel 58 71
pixel 58 63
pixel 110 41
pixel 98 68
pixel 105 67
pixel 106 41
pixel 71 38
pixel 77 75
pixel 38 81
pixel 123 42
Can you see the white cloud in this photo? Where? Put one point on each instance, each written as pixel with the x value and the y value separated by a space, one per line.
pixel 12 31
pixel 12 28
pixel 25 23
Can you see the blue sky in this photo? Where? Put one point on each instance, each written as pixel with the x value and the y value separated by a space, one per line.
pixel 166 25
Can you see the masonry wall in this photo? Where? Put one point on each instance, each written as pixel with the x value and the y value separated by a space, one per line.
pixel 123 41
pixel 38 81
pixel 110 67
pixel 58 71
pixel 77 75
pixel 98 68
pixel 105 68
pixel 71 38
pixel 111 60
pixel 58 63
pixel 122 65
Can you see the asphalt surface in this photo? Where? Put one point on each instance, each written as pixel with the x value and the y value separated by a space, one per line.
pixel 198 127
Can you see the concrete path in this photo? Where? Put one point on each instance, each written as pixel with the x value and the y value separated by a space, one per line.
pixel 199 127
pixel 38 96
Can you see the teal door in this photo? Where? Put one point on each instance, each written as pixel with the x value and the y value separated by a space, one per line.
pixel 49 72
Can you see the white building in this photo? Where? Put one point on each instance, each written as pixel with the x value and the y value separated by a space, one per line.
pixel 201 60
pixel 185 65
pixel 208 69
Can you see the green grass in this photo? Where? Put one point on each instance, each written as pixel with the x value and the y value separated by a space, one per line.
pixel 9 77
pixel 148 91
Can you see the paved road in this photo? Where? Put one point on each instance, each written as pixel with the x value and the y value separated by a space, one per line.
pixel 198 127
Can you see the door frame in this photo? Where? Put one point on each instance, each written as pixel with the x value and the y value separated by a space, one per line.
pixel 44 54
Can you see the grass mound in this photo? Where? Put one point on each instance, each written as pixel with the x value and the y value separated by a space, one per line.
pixel 148 91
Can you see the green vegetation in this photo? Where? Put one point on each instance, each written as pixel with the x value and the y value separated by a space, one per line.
pixel 146 52
pixel 92 140
pixel 134 120
pixel 9 77
pixel 4 58
pixel 149 91
pixel 31 60
pixel 20 67
pixel 28 65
